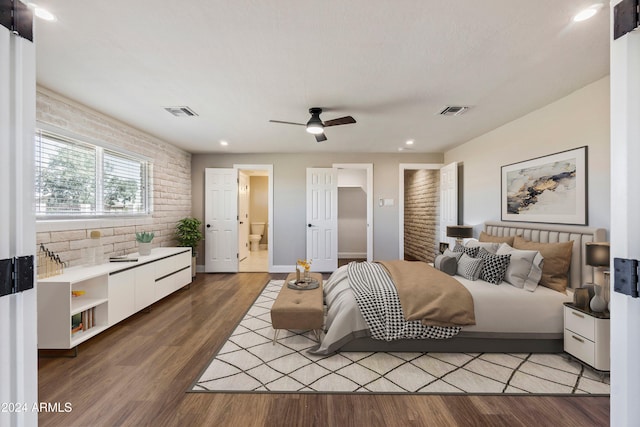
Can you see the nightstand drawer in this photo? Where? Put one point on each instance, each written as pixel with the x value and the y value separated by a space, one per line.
pixel 579 323
pixel 579 347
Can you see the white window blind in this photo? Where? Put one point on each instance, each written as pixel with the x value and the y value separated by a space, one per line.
pixel 79 179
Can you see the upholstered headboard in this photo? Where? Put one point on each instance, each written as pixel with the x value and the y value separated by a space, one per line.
pixel 579 272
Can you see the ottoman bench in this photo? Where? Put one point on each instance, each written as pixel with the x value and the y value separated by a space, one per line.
pixel 298 309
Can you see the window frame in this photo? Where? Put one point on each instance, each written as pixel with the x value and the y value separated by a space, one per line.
pixel 100 148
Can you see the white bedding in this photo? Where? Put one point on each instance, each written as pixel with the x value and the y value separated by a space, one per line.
pixel 506 309
pixel 499 309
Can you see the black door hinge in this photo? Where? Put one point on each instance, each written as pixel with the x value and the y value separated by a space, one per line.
pixel 16 275
pixel 17 17
pixel 626 17
pixel 626 276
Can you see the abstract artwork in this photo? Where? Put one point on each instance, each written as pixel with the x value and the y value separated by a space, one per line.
pixel 549 189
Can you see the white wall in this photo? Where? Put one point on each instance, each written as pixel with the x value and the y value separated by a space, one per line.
pixel 581 118
pixel 289 198
pixel 259 203
pixel 625 228
pixel 352 222
pixel 171 180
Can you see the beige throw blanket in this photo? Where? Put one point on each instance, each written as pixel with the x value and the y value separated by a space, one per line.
pixel 430 295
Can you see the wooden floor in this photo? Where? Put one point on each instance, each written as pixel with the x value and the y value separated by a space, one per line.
pixel 136 374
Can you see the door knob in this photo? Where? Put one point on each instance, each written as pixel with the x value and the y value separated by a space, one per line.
pixel 241 222
pixel 208 225
pixel 309 225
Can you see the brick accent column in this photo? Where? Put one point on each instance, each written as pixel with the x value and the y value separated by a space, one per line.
pixel 421 214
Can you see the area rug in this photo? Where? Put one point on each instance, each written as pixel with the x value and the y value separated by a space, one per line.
pixel 250 362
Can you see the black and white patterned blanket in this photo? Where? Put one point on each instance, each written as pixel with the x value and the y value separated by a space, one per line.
pixel 379 303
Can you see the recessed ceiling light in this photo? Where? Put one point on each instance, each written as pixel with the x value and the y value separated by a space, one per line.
pixel 587 13
pixel 409 142
pixel 224 143
pixel 42 13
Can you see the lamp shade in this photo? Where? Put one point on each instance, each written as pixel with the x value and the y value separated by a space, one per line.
pixel 598 254
pixel 460 231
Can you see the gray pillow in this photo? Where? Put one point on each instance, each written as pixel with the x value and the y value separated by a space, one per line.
pixel 470 268
pixel 490 247
pixel 446 264
pixel 451 254
pixel 525 267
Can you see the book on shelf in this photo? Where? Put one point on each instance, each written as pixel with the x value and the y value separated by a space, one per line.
pixel 83 321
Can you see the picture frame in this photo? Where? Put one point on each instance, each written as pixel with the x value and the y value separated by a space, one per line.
pixel 443 246
pixel 549 189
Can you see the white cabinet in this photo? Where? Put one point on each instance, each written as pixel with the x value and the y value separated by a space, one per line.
pixel 121 303
pixel 586 336
pixel 110 293
pixel 145 283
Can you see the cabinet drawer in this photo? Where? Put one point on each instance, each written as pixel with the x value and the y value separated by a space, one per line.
pixel 579 347
pixel 579 323
pixel 172 264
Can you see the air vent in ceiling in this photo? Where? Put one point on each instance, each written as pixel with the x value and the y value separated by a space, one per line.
pixel 453 110
pixel 181 111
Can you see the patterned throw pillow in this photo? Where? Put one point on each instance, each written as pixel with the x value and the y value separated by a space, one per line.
pixel 472 252
pixel 470 268
pixel 495 266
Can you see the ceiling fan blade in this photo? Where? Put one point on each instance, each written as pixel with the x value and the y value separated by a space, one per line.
pixel 288 123
pixel 340 121
pixel 320 137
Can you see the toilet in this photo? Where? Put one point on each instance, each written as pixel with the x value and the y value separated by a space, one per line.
pixel 257 230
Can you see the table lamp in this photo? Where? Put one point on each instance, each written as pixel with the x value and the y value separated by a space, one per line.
pixel 598 257
pixel 459 232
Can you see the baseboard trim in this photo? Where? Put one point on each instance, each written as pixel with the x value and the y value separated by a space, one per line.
pixel 352 255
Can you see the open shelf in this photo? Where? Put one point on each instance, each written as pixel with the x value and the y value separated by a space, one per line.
pixel 79 304
pixel 82 336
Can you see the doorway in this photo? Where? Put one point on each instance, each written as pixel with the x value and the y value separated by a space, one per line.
pixel 224 239
pixel 421 210
pixel 355 212
pixel 254 219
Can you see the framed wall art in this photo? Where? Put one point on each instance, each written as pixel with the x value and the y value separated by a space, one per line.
pixel 549 189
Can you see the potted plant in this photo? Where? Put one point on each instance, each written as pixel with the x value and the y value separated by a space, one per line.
pixel 144 242
pixel 188 234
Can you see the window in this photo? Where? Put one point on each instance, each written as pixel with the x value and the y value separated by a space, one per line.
pixel 75 179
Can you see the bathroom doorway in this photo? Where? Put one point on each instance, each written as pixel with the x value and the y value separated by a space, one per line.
pixel 254 234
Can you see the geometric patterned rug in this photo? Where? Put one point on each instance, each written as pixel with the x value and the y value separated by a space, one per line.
pixel 249 362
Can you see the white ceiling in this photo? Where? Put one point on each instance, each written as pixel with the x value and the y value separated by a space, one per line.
pixel 392 65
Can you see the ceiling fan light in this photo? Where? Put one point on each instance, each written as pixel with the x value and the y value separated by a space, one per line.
pixel 315 128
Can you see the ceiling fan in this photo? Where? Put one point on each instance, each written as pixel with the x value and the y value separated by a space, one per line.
pixel 316 126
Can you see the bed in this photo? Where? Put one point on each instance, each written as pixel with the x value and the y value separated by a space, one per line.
pixel 507 319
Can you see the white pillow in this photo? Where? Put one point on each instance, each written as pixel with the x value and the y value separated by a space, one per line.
pixel 525 267
pixel 490 247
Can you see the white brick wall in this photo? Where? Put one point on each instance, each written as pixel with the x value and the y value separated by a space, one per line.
pixel 171 178
pixel 421 211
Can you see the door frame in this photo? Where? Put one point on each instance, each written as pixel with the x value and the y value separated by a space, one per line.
pixel 269 169
pixel 369 168
pixel 401 168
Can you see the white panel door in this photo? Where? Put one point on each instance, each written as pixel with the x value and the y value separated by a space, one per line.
pixel 221 220
pixel 448 200
pixel 322 218
pixel 243 215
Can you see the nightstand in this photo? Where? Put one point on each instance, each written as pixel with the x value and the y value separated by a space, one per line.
pixel 586 336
